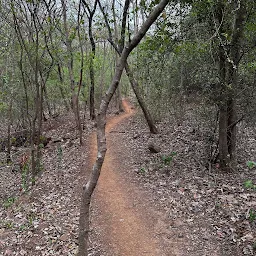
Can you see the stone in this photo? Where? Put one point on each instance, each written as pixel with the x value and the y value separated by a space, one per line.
pixel 153 148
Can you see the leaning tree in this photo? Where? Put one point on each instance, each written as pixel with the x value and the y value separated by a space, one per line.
pixel 89 187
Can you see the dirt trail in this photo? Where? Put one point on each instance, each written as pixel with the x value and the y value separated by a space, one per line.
pixel 128 225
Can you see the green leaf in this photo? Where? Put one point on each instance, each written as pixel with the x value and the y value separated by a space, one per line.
pixel 252 215
pixel 251 164
pixel 248 184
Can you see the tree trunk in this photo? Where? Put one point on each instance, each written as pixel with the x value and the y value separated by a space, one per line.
pixel 92 93
pixel 228 70
pixel 74 97
pixel 8 154
pixel 223 143
pixel 92 57
pixel 47 101
pixel 129 73
pixel 232 130
pixel 223 146
pixel 103 72
pixel 34 141
pixel 84 224
pixel 39 129
pixel 135 87
pixel 119 103
pixel 101 124
pixel 80 128
pixel 77 116
pixel 37 104
pixel 61 89
pixel 223 123
pixel 235 53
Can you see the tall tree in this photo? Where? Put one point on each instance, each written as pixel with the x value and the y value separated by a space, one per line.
pixel 101 124
pixel 229 58
pixel 132 80
pixel 90 14
pixel 75 92
pixel 29 33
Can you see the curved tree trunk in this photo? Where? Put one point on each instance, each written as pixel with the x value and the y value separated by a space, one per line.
pixel 101 125
pixel 132 80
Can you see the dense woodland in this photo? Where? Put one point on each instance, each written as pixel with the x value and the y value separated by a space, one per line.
pixel 188 67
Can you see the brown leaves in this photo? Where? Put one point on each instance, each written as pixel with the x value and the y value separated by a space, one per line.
pixel 213 206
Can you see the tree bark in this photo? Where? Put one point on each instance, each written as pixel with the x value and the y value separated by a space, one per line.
pixel 47 101
pixel 80 73
pixel 75 96
pixel 135 87
pixel 61 89
pixel 223 146
pixel 103 71
pixel 228 68
pixel 101 124
pixel 39 130
pixel 132 80
pixel 91 68
pixel 119 103
pixel 8 154
pixel 92 57
pixel 232 130
pixel 232 78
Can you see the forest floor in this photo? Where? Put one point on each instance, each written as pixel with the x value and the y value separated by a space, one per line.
pixel 165 204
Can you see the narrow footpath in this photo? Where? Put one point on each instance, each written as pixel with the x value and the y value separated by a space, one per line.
pixel 128 225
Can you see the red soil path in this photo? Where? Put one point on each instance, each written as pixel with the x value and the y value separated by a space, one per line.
pixel 128 226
